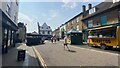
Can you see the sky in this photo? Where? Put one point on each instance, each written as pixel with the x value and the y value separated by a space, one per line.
pixel 53 13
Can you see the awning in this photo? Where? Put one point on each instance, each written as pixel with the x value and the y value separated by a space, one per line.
pixel 73 31
pixel 100 28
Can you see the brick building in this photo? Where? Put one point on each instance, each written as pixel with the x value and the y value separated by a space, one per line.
pixel 103 14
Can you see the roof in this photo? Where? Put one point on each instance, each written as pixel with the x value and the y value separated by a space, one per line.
pixel 102 7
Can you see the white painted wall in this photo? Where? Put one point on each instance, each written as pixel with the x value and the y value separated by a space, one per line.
pixel 45 28
pixel 14 10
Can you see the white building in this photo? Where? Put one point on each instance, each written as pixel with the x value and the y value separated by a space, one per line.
pixel 45 30
pixel 9 19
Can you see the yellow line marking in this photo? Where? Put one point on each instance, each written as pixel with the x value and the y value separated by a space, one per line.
pixel 40 58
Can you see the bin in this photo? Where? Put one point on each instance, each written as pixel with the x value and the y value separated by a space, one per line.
pixel 21 55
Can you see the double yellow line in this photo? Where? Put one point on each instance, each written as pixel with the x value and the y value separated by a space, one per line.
pixel 40 59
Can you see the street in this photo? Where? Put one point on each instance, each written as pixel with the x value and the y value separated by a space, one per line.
pixel 54 54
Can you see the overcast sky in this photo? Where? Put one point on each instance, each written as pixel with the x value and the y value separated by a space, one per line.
pixel 53 13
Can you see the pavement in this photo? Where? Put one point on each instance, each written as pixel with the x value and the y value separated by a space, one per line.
pixel 10 59
pixel 53 54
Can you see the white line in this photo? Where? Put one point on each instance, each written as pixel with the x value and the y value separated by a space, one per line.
pixel 96 50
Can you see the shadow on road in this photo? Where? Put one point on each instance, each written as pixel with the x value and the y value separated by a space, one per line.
pixel 73 51
pixel 35 44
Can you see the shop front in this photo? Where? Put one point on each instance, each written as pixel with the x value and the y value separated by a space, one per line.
pixel 8 33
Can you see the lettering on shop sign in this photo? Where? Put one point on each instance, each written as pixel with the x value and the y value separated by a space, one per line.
pixel 101 41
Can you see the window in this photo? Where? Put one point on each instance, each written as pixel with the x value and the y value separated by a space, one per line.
pixel 43 32
pixel 15 17
pixel 92 10
pixel 77 28
pixel 77 19
pixel 68 23
pixel 9 2
pixel 17 2
pixel 103 20
pixel 90 23
pixel 48 32
pixel 71 22
pixel 8 9
pixel 49 27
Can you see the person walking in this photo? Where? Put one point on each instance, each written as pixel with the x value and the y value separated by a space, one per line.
pixel 65 43
pixel 52 39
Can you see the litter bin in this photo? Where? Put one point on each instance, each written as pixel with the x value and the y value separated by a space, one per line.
pixel 21 55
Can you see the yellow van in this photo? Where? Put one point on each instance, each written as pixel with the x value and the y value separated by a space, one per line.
pixel 105 37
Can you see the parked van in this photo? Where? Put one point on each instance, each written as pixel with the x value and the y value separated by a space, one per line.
pixel 105 37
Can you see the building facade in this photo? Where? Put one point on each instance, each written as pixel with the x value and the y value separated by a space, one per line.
pixel 62 31
pixel 75 23
pixel 21 33
pixel 103 14
pixel 9 14
pixel 56 33
pixel 45 30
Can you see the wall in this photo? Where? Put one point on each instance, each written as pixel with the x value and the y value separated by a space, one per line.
pixel 14 10
pixel 112 16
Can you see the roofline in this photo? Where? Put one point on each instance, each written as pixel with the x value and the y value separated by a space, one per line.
pixel 101 11
pixel 74 17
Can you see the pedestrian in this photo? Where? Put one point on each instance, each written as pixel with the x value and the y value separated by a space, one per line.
pixel 55 39
pixel 52 39
pixel 65 43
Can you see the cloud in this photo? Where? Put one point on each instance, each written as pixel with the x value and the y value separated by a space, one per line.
pixel 24 18
pixel 31 25
pixel 52 15
pixel 69 4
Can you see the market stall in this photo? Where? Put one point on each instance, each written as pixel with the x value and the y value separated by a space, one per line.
pixel 74 37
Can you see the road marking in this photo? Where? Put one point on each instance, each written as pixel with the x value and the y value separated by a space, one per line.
pixel 40 58
pixel 95 50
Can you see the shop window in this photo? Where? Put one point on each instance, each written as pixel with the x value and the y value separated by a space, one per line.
pixel 103 20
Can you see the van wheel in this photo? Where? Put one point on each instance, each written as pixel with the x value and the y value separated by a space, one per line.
pixel 90 45
pixel 104 47
pixel 109 47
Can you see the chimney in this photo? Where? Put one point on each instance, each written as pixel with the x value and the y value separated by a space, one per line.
pixel 89 6
pixel 83 8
